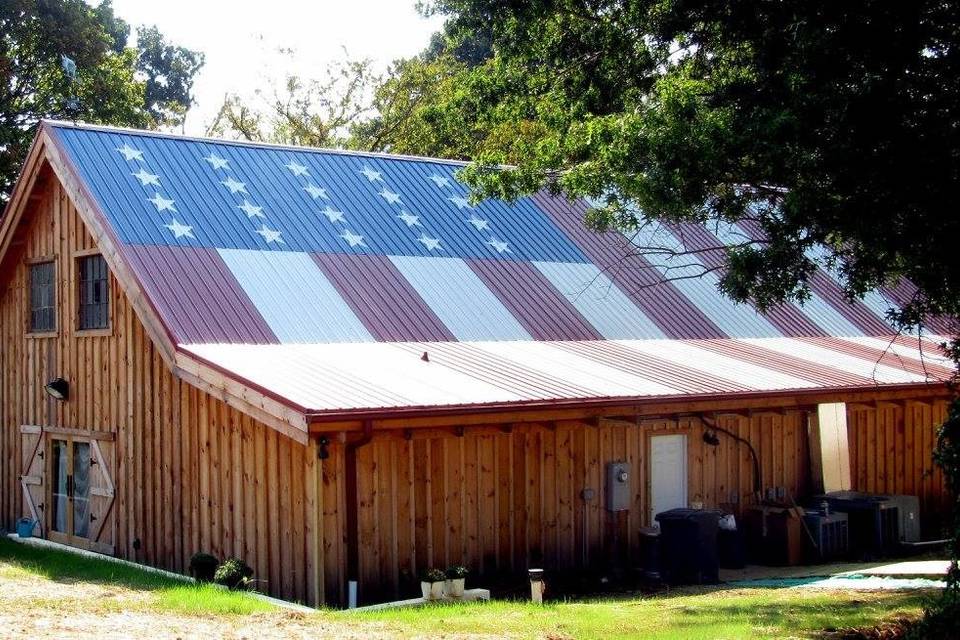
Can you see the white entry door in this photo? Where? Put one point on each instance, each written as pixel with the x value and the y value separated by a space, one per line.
pixel 668 473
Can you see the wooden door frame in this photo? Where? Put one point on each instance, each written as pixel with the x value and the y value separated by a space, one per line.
pixel 68 538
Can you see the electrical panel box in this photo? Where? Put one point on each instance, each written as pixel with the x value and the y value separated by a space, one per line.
pixel 618 486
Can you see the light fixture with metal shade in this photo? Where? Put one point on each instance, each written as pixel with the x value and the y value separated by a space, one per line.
pixel 58 388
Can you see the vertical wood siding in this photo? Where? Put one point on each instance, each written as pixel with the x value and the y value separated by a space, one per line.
pixel 191 473
pixel 891 451
pixel 501 501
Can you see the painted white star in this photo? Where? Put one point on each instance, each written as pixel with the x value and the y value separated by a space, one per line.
pixel 429 243
pixel 461 202
pixel 297 168
pixel 161 203
pixel 440 181
pixel 409 218
pixel 145 177
pixel 353 239
pixel 372 175
pixel 316 192
pixel 179 230
pixel 234 185
pixel 332 214
pixel 251 209
pixel 129 153
pixel 269 235
pixel 501 247
pixel 390 196
pixel 478 222
pixel 216 161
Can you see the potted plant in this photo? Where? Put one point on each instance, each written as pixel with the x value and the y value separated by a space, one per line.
pixel 432 584
pixel 456 580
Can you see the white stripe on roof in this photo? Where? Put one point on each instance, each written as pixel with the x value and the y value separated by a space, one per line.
pixel 580 371
pixel 294 296
pixel 740 371
pixel 599 300
pixel 460 299
pixel 837 359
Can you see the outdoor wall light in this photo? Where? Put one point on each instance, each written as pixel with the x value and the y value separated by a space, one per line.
pixel 58 388
pixel 323 453
pixel 710 438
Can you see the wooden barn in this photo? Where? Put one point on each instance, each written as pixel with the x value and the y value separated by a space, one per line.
pixel 335 367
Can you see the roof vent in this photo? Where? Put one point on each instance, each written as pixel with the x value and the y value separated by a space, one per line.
pixel 425 357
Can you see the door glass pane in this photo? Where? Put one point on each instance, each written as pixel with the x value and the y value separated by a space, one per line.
pixel 81 489
pixel 58 465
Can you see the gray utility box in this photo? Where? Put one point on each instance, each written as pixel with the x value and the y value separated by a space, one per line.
pixel 618 486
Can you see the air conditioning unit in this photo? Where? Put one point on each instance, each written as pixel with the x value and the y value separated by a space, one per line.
pixel 909 510
pixel 830 533
pixel 873 520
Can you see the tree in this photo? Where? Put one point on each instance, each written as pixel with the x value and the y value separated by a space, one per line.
pixel 168 71
pixel 831 128
pixel 306 112
pixel 33 36
pixel 824 123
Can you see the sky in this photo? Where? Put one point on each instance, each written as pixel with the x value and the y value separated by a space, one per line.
pixel 240 39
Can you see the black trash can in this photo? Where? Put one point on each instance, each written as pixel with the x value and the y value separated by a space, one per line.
pixel 688 546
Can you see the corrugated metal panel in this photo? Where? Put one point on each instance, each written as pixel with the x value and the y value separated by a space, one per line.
pixel 460 299
pixel 599 300
pixel 198 296
pixel 382 298
pixel 809 349
pixel 699 285
pixel 294 297
pixel 343 377
pixel 707 241
pixel 743 372
pixel 530 297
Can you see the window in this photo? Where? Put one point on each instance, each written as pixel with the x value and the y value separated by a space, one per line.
pixel 43 317
pixel 94 293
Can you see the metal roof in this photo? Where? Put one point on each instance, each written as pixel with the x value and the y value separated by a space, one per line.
pixel 335 378
pixel 283 265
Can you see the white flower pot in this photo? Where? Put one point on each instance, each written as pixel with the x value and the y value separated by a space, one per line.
pixel 454 588
pixel 436 591
pixel 425 588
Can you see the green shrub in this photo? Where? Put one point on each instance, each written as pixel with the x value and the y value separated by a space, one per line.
pixel 233 574
pixel 203 566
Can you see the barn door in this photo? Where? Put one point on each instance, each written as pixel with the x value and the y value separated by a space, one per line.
pixel 102 496
pixel 31 474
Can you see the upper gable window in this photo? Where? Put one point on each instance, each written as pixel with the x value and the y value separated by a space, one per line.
pixel 43 305
pixel 94 293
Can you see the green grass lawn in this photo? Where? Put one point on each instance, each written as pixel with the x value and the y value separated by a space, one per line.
pixel 743 613
pixel 153 591
pixel 704 613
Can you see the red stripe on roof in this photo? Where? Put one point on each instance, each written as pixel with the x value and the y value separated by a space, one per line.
pixel 660 300
pixel 198 295
pixel 533 300
pixel 881 356
pixel 385 302
pixel 787 318
pixel 816 373
pixel 671 374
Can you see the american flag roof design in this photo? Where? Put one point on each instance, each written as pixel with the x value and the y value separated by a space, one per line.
pixel 256 246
